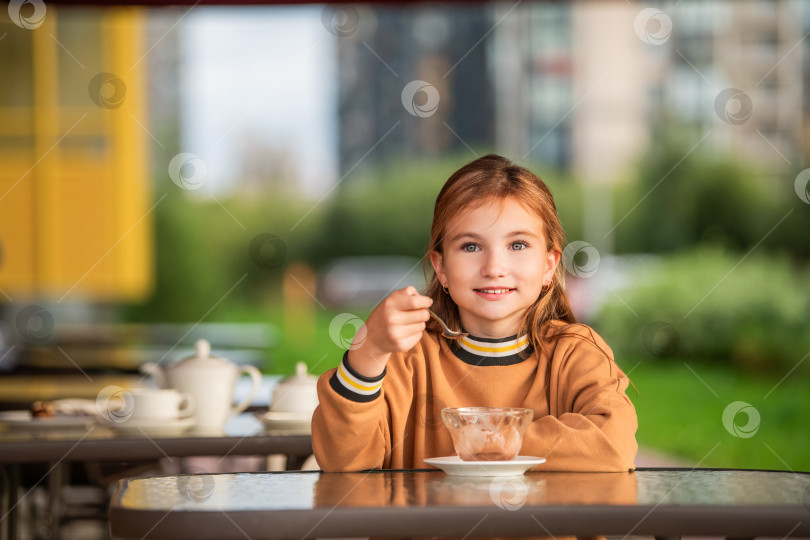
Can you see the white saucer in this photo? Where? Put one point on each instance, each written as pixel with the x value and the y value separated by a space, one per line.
pixel 452 465
pixel 25 420
pixel 174 426
pixel 287 422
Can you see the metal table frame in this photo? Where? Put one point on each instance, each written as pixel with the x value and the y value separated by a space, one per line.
pixel 81 447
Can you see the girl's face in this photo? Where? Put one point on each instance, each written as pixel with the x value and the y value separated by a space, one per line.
pixel 494 263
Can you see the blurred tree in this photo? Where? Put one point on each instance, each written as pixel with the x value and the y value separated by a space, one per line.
pixel 386 211
pixel 686 195
pixel 189 273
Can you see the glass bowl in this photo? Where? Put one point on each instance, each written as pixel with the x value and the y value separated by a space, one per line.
pixel 487 433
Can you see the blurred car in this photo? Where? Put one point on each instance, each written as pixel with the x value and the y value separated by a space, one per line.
pixel 365 281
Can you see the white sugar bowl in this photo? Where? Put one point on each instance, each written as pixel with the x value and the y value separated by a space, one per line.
pixel 297 393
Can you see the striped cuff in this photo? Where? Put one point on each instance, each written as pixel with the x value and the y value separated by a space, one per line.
pixel 353 386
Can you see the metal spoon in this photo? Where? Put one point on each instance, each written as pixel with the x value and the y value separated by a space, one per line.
pixel 446 332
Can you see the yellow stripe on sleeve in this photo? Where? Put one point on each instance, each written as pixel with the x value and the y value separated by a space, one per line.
pixel 354 384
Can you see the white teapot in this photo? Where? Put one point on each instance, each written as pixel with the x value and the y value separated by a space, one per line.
pixel 296 394
pixel 210 380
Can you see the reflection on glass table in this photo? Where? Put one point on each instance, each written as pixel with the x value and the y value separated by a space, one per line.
pixel 658 502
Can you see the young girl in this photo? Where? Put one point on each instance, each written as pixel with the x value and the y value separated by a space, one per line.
pixel 495 248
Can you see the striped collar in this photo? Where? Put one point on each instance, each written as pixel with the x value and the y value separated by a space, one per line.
pixel 492 352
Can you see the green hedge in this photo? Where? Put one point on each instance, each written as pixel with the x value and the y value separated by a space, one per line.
pixel 749 312
pixel 681 195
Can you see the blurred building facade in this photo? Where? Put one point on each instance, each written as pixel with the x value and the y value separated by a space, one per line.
pixel 392 46
pixel 165 86
pixel 580 86
pixel 737 69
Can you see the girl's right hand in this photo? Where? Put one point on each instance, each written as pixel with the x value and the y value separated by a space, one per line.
pixel 395 325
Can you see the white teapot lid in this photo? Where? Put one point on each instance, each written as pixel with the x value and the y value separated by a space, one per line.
pixel 202 355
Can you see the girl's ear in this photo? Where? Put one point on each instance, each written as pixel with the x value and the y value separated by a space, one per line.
pixel 437 260
pixel 552 260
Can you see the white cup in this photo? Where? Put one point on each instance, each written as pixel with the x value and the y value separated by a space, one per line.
pixel 160 404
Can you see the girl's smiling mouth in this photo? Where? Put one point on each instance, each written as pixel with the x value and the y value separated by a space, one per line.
pixel 494 292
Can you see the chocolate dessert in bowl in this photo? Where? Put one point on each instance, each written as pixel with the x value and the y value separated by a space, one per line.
pixel 487 433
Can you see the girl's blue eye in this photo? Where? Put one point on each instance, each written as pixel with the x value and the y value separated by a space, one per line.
pixel 519 245
pixel 469 247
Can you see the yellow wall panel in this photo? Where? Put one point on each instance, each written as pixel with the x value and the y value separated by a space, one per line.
pixel 15 121
pixel 79 226
pixel 85 236
pixel 45 175
pixel 131 163
pixel 16 232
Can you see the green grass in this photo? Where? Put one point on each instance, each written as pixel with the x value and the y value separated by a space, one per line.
pixel 680 407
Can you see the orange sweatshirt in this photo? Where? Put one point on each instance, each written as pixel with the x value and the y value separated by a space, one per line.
pixel 583 420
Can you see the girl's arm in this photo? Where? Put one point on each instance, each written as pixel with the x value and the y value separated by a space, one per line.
pixel 592 424
pixel 350 429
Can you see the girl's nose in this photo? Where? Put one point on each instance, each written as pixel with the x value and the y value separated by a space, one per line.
pixel 494 265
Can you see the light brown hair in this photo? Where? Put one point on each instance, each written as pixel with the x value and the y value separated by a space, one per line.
pixel 489 178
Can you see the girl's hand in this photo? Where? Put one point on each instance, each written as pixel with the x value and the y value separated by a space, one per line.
pixel 395 325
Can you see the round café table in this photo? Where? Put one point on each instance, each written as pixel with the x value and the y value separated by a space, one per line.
pixel 665 503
